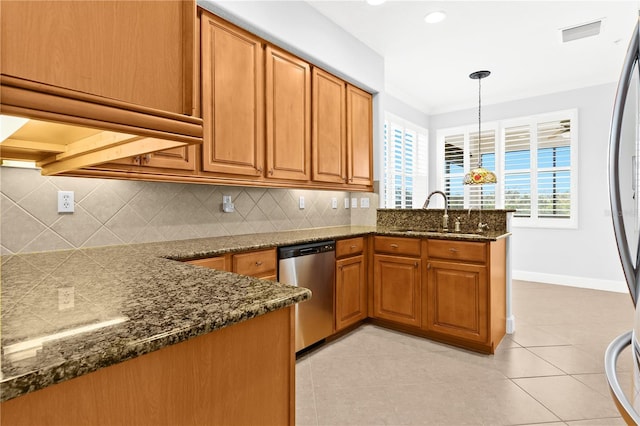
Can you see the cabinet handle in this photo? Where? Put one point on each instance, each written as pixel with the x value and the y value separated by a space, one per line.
pixel 428 265
pixel 270 171
pixel 137 160
pixel 340 267
pixel 259 170
pixel 453 250
pixel 394 246
pixel 258 263
pixel 353 247
pixel 146 158
pixel 415 264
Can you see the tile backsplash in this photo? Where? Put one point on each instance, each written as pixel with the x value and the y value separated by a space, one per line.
pixel 111 212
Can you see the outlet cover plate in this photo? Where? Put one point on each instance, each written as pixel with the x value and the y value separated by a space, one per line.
pixel 66 202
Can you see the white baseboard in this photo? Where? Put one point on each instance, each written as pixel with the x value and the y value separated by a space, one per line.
pixel 582 282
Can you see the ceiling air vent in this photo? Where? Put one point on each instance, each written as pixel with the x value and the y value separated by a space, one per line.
pixel 581 31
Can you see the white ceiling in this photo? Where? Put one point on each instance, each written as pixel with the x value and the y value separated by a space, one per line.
pixel 427 65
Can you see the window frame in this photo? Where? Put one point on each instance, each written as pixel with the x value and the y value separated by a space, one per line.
pixel 421 156
pixel 534 221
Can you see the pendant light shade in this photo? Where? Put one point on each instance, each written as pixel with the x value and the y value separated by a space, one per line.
pixel 479 175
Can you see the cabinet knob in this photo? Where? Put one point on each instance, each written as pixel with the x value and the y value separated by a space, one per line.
pixel 270 171
pixel 353 247
pixel 258 263
pixel 394 246
pixel 453 250
pixel 259 170
pixel 415 264
pixel 146 158
pixel 137 160
pixel 428 265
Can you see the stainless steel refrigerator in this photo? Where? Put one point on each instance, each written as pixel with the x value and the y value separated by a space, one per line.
pixel 624 192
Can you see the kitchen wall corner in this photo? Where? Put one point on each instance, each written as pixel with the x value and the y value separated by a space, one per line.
pixel 112 212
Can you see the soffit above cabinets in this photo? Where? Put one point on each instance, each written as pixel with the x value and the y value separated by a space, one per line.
pixel 68 130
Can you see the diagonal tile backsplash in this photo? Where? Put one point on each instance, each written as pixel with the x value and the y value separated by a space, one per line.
pixel 110 212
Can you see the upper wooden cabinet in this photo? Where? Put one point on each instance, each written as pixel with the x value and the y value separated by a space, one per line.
pixel 359 136
pixel 288 122
pixel 232 99
pixel 137 52
pixel 329 144
pixel 123 69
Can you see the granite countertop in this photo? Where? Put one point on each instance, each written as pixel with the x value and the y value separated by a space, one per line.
pixel 133 299
pixel 128 300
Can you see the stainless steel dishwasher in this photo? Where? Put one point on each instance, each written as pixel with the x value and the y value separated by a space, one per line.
pixel 311 266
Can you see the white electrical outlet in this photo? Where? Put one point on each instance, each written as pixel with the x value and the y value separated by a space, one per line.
pixel 66 203
pixel 346 203
pixel 301 202
pixel 227 205
pixel 334 203
pixel 66 298
pixel 364 203
pixel 354 203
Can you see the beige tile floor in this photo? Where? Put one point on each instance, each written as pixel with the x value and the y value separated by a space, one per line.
pixel 550 371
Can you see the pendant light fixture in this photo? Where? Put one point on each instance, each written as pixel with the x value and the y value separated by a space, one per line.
pixel 479 175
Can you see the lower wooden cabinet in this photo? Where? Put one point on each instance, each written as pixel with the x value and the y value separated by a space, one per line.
pixel 239 375
pixel 219 262
pixel 351 291
pixel 458 300
pixel 397 288
pixel 466 293
pixel 259 264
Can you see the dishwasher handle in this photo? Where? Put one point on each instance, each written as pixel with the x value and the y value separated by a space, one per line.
pixel 309 250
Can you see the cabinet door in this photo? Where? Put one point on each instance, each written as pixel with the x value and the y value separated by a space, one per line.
pixel 329 145
pixel 396 289
pixel 351 291
pixel 232 99
pixel 167 161
pixel 458 300
pixel 288 122
pixel 359 136
pixel 138 52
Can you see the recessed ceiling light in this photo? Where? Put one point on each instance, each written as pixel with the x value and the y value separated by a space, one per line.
pixel 375 2
pixel 435 17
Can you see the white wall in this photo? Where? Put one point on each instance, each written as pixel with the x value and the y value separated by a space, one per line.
pixel 586 256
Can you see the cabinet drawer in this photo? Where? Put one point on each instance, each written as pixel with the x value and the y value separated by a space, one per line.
pixel 256 263
pixel 218 263
pixel 458 250
pixel 395 245
pixel 349 247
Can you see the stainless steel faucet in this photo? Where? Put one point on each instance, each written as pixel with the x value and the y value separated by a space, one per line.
pixel 445 217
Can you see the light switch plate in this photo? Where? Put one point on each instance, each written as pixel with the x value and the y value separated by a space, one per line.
pixel 364 203
pixel 334 203
pixel 354 203
pixel 346 203
pixel 301 202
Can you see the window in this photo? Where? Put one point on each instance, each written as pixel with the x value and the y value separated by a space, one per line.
pixel 405 164
pixel 535 160
pixel 461 155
